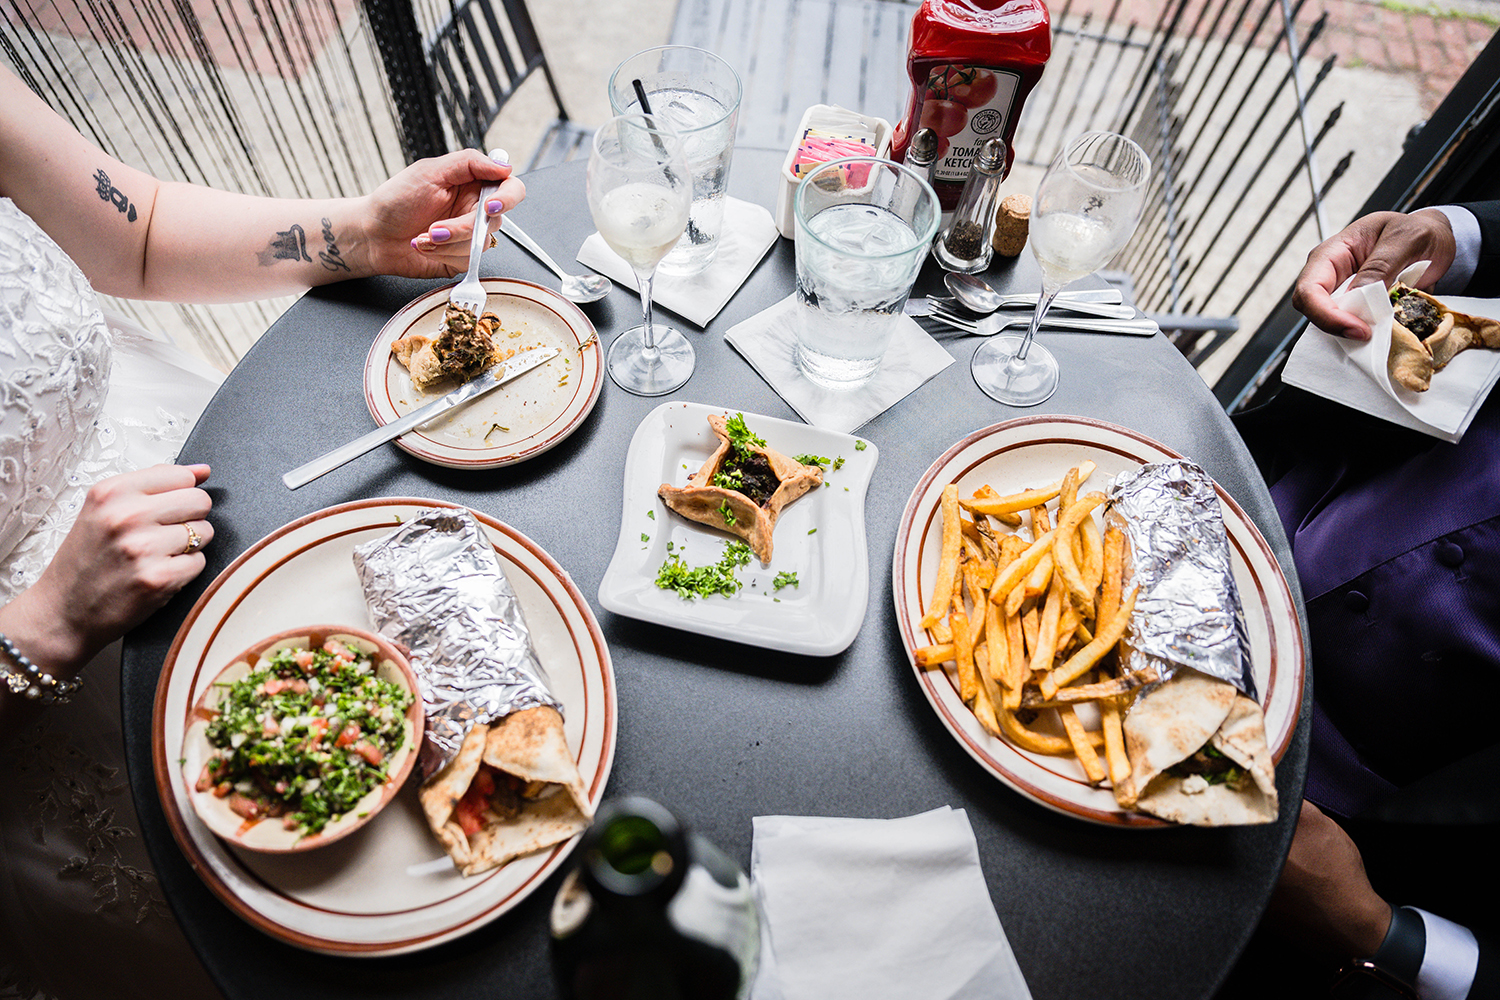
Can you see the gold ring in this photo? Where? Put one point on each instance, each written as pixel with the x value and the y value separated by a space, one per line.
pixel 492 242
pixel 194 542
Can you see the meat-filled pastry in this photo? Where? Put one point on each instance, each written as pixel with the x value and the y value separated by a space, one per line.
pixel 1439 331
pixel 463 350
pixel 743 486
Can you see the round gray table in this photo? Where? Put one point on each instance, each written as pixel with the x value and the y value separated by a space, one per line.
pixel 1089 911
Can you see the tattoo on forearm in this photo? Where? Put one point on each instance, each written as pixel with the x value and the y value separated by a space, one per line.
pixel 330 257
pixel 289 244
pixel 108 192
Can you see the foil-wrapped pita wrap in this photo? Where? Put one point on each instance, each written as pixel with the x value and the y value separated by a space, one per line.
pixel 499 779
pixel 1195 737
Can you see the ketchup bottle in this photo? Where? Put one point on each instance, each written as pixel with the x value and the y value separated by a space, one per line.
pixel 972 63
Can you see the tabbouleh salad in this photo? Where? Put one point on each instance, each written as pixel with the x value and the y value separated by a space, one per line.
pixel 305 736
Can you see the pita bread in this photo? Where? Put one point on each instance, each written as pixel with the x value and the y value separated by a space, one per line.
pixel 1170 723
pixel 529 745
pixel 700 500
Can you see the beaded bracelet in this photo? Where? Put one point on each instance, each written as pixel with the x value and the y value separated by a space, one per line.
pixel 24 678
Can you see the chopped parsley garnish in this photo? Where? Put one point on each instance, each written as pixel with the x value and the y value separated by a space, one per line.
pixel 651 514
pixel 817 460
pixel 702 581
pixel 729 517
pixel 645 537
pixel 785 579
pixel 305 736
pixel 729 479
pixel 812 531
pixel 859 446
pixel 838 463
pixel 741 437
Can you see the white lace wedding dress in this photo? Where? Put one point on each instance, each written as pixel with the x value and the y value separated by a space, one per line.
pixel 85 397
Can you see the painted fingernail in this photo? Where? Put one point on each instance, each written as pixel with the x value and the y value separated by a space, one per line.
pixel 416 243
pixel 439 234
pixel 500 156
pixel 494 206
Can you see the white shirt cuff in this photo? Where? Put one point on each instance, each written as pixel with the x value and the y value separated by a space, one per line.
pixel 1467 239
pixel 1450 961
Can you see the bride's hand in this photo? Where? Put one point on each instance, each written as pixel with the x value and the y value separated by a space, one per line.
pixel 418 223
pixel 136 542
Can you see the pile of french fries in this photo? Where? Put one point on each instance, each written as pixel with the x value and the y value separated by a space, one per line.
pixel 1031 625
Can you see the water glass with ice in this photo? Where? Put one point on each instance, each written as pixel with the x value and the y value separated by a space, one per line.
pixel 698 95
pixel 863 228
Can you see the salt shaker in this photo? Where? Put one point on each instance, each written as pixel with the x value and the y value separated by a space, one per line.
pixel 922 153
pixel 965 245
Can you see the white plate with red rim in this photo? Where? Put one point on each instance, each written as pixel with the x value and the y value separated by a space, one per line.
pixel 387 888
pixel 520 419
pixel 820 537
pixel 1035 451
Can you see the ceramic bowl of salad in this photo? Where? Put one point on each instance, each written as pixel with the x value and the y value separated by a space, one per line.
pixel 303 738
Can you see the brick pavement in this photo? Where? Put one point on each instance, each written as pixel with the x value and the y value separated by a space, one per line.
pixel 1432 45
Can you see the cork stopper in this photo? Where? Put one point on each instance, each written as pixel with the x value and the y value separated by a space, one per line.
pixel 1012 222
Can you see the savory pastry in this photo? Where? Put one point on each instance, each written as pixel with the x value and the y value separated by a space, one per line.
pixel 743 486
pixel 463 350
pixel 1426 335
pixel 512 789
pixel 1198 754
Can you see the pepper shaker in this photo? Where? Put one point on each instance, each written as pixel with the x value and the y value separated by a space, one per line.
pixel 965 245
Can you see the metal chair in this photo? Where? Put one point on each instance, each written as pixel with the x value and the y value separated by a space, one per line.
pixel 449 87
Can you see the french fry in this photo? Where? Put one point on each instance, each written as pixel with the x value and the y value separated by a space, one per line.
pixel 1016 572
pixel 1015 666
pixel 934 656
pixel 963 652
pixel 1030 626
pixel 1062 553
pixel 942 590
pixel 1046 641
pixel 1026 499
pixel 941 632
pixel 1100 691
pixel 1114 568
pixel 1043 743
pixel 984 708
pixel 1114 742
pixel 1093 558
pixel 1083 661
pixel 987 492
pixel 1082 748
pixel 1040 578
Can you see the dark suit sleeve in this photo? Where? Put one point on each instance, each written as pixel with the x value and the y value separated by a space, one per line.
pixel 1486 280
pixel 1487 975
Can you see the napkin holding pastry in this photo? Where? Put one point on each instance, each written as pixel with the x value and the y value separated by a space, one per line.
pixel 1358 373
pixel 868 909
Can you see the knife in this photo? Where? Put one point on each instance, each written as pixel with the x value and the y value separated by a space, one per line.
pixel 495 377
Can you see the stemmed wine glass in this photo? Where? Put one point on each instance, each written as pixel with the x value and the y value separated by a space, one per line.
pixel 639 191
pixel 1085 210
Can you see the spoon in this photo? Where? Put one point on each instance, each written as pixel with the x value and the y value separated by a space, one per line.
pixel 978 297
pixel 575 287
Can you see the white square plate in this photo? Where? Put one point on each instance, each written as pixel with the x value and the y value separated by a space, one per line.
pixel 820 537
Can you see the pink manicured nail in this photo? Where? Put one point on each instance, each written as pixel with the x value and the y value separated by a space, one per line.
pixel 494 206
pixel 416 244
pixel 439 234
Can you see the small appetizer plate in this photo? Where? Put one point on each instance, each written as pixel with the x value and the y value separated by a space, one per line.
pixel 515 422
pixel 819 539
pixel 269 833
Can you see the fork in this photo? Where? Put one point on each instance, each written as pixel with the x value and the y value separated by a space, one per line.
pixel 988 326
pixel 469 293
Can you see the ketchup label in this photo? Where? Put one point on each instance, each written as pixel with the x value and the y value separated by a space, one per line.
pixel 965 105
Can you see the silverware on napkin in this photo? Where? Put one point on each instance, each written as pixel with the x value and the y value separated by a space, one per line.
pixel 988 326
pixel 473 389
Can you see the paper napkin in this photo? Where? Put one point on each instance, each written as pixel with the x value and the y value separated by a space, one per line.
pixel 1355 372
pixel 867 909
pixel 768 339
pixel 747 234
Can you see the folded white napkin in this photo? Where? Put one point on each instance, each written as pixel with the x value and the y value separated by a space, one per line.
pixel 747 234
pixel 1356 373
pixel 865 909
pixel 767 341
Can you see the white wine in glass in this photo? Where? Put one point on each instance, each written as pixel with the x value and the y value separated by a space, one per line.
pixel 1086 208
pixel 639 191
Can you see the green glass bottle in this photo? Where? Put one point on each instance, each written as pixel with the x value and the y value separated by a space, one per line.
pixel 652 912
